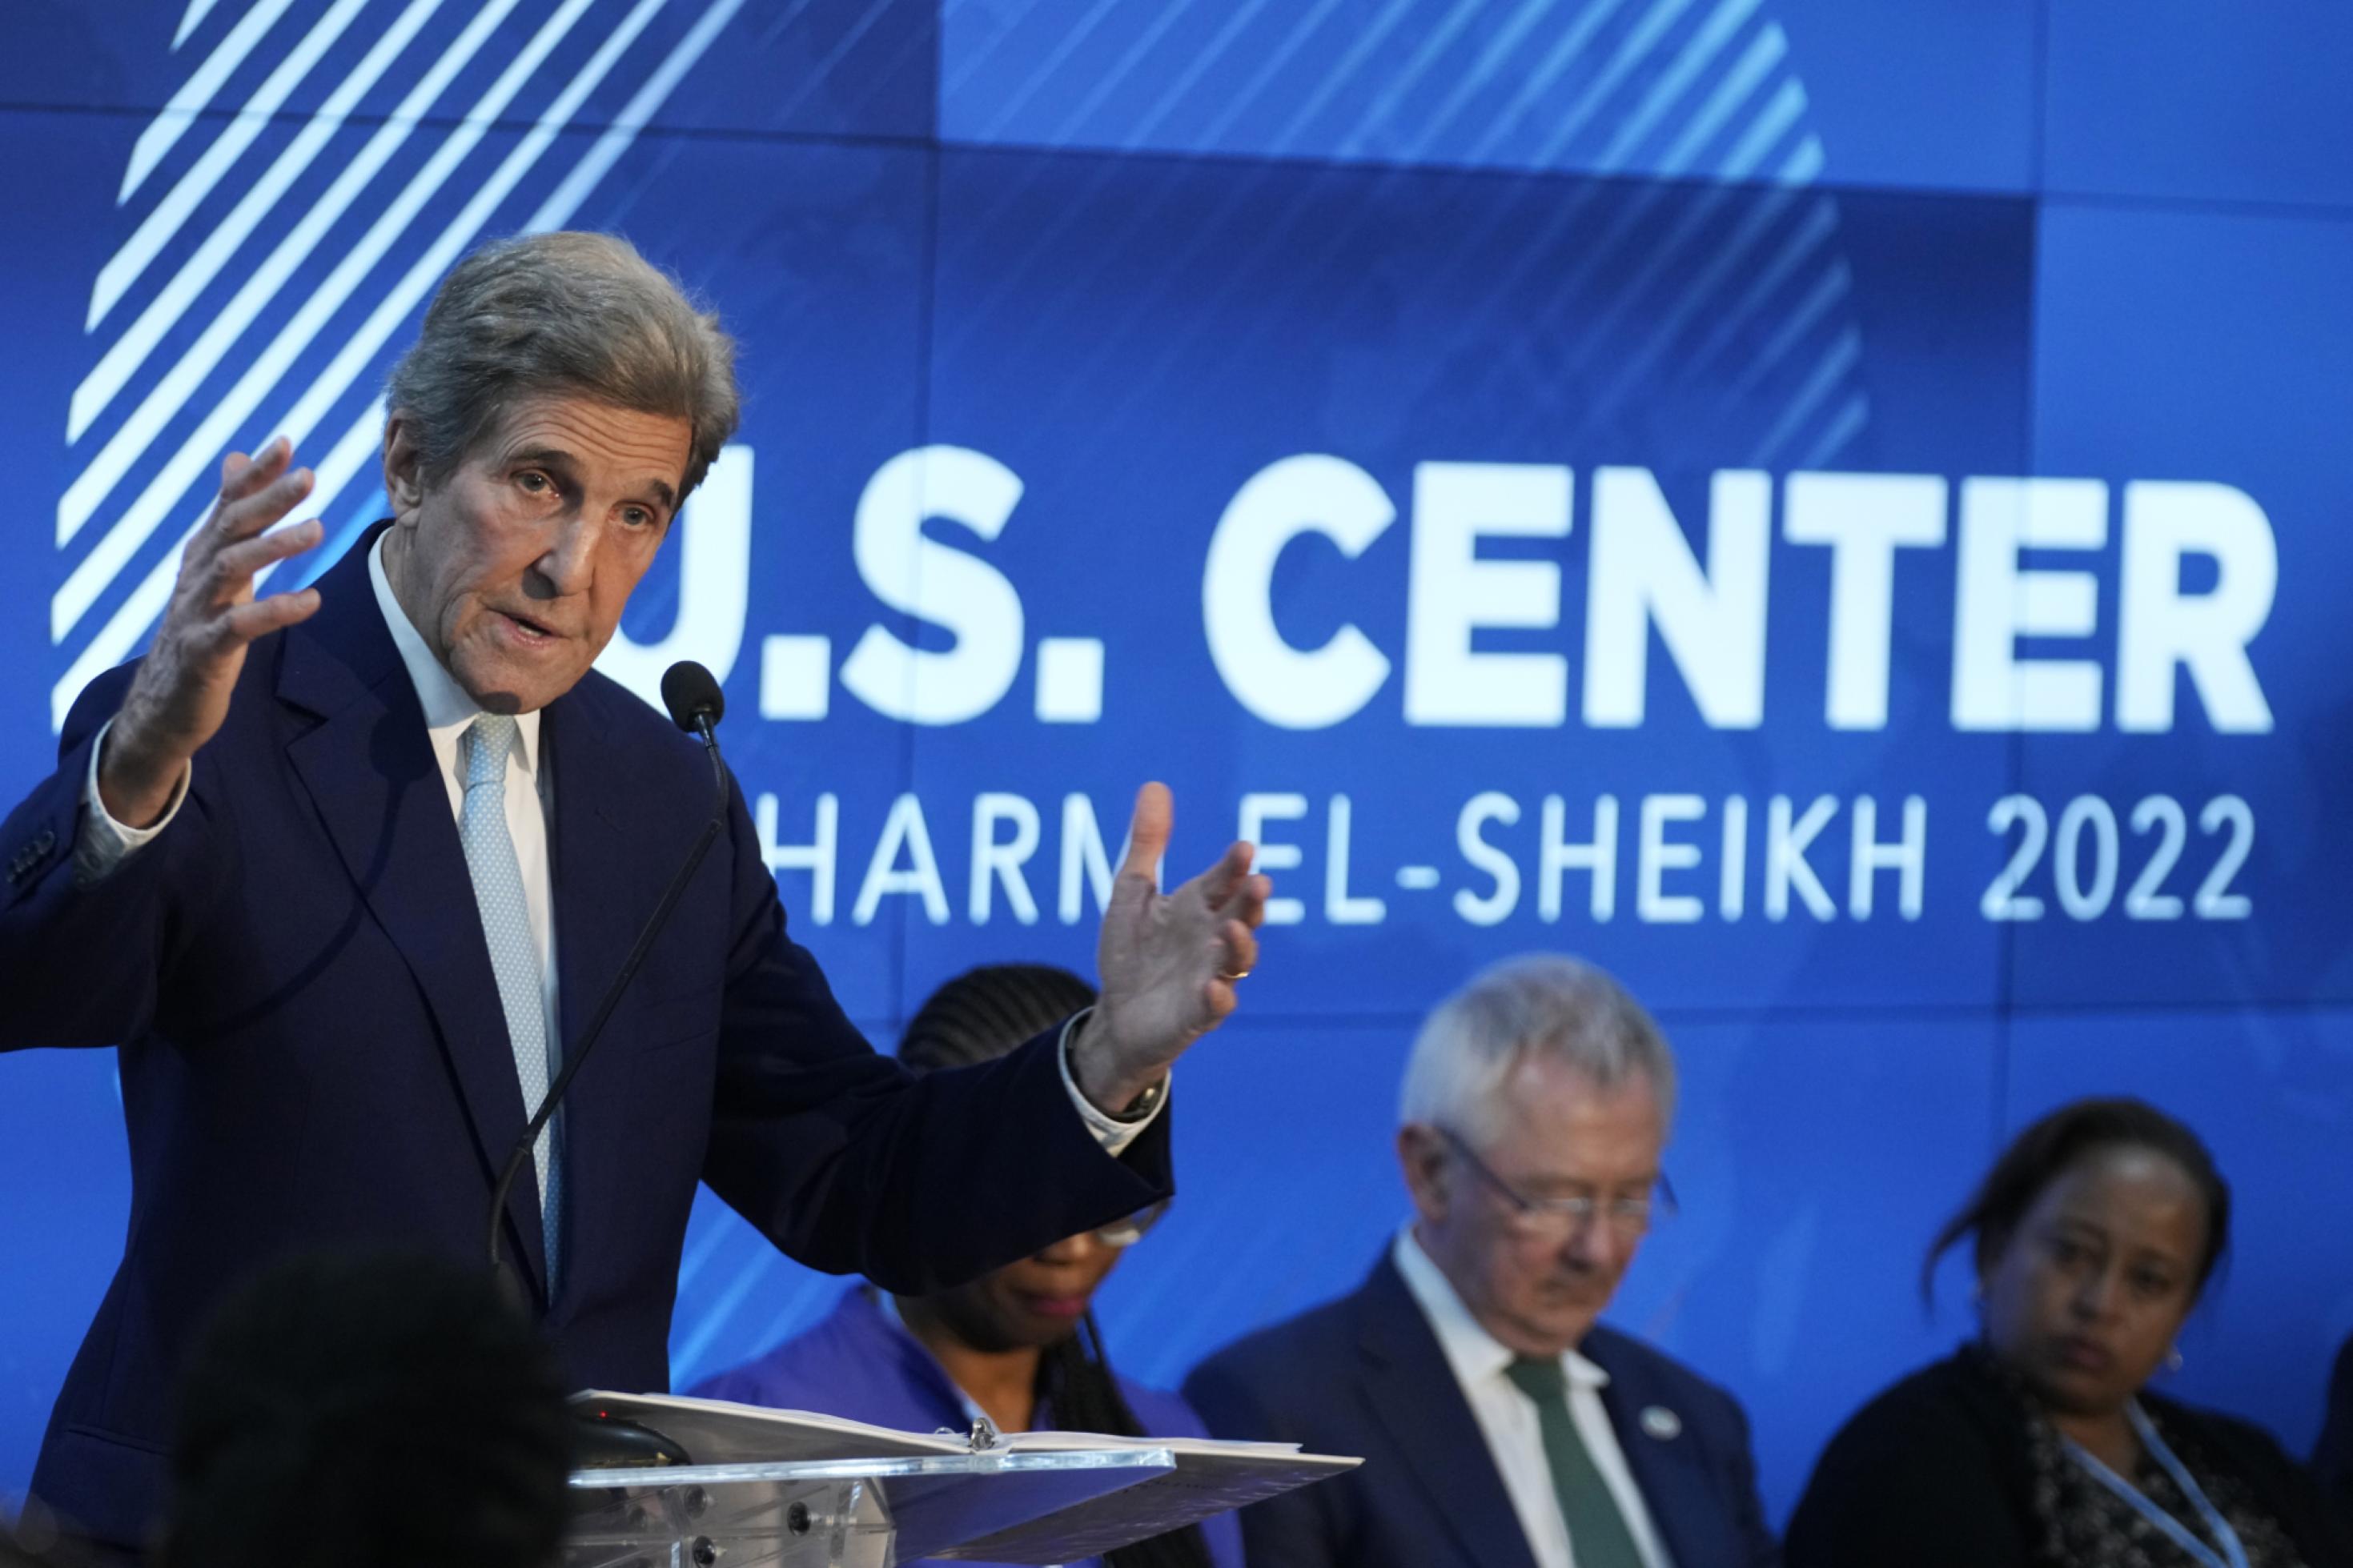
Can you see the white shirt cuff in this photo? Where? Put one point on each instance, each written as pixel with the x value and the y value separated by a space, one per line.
pixel 1114 1132
pixel 103 844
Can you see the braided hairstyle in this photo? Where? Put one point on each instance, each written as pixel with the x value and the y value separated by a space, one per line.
pixel 978 1016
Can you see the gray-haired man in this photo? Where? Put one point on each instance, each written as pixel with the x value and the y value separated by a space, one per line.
pixel 1501 1426
pixel 344 871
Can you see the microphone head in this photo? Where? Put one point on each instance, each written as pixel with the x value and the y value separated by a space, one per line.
pixel 692 697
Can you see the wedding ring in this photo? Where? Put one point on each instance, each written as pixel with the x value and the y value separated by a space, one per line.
pixel 1230 976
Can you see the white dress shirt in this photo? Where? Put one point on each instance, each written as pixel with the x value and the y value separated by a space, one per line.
pixel 1507 1418
pixel 102 843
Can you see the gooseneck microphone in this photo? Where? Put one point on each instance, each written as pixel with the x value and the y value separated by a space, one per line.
pixel 695 705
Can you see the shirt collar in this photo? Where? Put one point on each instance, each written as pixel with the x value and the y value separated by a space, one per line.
pixel 447 706
pixel 1473 1353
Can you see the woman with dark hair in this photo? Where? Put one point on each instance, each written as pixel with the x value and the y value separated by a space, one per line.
pixel 1018 1345
pixel 2040 1445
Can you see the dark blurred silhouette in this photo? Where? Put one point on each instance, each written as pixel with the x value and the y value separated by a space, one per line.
pixel 369 1411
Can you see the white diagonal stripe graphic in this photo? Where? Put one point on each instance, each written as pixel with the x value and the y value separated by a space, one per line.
pixel 173 120
pixel 140 522
pixel 1632 52
pixel 361 347
pixel 171 394
pixel 1804 166
pixel 1845 425
pixel 1780 114
pixel 1833 287
pixel 1273 66
pixel 1170 11
pixel 1143 129
pixel 1698 54
pixel 1337 75
pixel 1564 52
pixel 156 231
pixel 197 12
pixel 1500 48
pixel 124 630
pixel 1754 65
pixel 1845 351
pixel 974 58
pixel 1815 228
pixel 557 210
pixel 1072 36
pixel 1393 92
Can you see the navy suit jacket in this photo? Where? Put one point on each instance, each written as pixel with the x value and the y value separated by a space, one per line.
pixel 313 1054
pixel 1365 1376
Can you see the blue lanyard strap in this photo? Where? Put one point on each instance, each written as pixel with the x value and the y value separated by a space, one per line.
pixel 2234 1554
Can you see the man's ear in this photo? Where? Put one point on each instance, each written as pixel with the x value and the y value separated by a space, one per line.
pixel 1422 1156
pixel 404 465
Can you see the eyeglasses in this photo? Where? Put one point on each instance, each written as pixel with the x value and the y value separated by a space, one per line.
pixel 1561 1217
pixel 1121 1235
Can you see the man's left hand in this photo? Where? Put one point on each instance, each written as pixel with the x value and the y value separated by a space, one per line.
pixel 1169 963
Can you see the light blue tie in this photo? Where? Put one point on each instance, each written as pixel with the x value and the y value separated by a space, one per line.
pixel 514 955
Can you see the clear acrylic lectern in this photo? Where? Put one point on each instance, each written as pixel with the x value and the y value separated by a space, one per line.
pixel 836 1513
pixel 688 1483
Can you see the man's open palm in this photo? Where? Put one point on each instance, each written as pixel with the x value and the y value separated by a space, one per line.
pixel 1168 962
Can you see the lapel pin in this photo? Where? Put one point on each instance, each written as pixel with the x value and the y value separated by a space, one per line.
pixel 1662 1423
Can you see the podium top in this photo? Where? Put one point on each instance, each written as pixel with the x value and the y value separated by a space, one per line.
pixel 1037 1497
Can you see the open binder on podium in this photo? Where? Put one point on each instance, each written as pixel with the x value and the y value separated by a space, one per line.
pixel 696 1483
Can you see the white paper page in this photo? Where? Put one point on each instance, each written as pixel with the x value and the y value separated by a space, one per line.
pixel 716 1432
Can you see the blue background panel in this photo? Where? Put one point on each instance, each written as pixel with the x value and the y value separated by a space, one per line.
pixel 1940 94
pixel 1090 307
pixel 2180 345
pixel 1660 88
pixel 2269 1090
pixel 64 1157
pixel 2179 101
pixel 856 68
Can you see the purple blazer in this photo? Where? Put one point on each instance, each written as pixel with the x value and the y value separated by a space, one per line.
pixel 860 1364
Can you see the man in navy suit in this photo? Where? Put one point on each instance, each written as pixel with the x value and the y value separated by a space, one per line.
pixel 1501 1426
pixel 344 871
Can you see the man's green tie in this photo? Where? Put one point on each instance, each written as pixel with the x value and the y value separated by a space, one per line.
pixel 1597 1530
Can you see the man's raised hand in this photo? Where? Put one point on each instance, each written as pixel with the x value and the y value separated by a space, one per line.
pixel 1169 963
pixel 180 696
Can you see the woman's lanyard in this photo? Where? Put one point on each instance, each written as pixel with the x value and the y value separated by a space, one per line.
pixel 2233 1555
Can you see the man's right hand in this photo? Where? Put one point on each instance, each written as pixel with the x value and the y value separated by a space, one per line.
pixel 180 696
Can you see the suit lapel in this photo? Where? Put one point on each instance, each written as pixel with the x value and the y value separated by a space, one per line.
pixel 1414 1395
pixel 369 771
pixel 1674 1490
pixel 607 863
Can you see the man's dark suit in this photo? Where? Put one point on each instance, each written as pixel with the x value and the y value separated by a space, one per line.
pixel 1365 1376
pixel 313 1052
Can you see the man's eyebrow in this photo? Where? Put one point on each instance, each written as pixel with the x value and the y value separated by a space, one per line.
pixel 557 458
pixel 546 457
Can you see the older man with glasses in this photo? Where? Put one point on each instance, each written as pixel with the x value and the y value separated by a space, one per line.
pixel 1502 1427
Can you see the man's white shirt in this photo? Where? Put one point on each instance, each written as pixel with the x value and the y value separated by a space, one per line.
pixel 1507 1417
pixel 103 843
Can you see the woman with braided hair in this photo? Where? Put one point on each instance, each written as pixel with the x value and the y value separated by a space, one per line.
pixel 1018 1345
